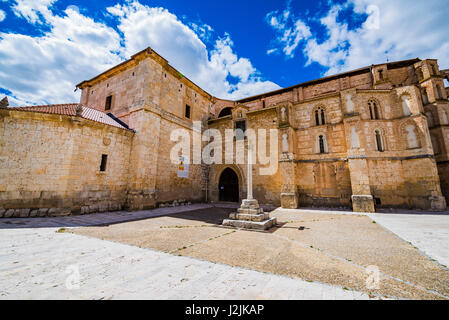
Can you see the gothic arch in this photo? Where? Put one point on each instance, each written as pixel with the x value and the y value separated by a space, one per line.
pixel 228 186
pixel 216 173
pixel 321 144
pixel 406 101
pixel 380 140
pixel 413 138
pixel 220 168
pixel 374 109
pixel 319 116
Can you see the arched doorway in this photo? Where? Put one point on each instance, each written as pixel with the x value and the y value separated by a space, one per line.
pixel 229 186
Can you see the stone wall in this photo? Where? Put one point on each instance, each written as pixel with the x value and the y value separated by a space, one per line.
pixel 169 186
pixel 266 188
pixel 146 79
pixel 50 165
pixel 324 184
pixel 382 173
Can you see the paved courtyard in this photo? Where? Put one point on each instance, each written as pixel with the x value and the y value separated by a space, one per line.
pixel 182 253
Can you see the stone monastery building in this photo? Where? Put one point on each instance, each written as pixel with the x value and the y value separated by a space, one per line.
pixel 369 138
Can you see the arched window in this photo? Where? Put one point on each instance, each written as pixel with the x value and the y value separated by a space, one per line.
pixel 379 141
pixel 425 97
pixel 406 105
pixel 434 70
pixel 322 144
pixel 320 118
pixel 420 74
pixel 412 137
pixel 373 110
pixel 225 112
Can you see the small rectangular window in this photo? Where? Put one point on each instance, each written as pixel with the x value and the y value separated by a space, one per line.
pixel 187 113
pixel 108 103
pixel 381 74
pixel 242 126
pixel 104 160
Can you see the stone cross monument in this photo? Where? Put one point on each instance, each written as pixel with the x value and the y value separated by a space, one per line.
pixel 250 215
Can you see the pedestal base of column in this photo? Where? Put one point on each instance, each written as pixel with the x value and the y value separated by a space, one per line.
pixel 438 203
pixel 363 203
pixel 250 216
pixel 289 200
pixel 243 224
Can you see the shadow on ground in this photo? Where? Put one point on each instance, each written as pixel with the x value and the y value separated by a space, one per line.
pixel 329 248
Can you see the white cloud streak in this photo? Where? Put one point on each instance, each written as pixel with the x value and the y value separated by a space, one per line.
pixel 395 30
pixel 45 69
pixel 291 30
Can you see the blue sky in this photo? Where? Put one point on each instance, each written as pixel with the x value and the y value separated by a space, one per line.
pixel 232 49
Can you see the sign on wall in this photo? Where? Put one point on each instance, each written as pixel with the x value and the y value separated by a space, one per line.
pixel 183 167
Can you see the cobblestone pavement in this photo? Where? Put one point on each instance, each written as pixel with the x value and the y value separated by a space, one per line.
pixel 38 262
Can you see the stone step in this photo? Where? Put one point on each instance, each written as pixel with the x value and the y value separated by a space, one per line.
pixel 255 225
pixel 249 217
pixel 250 211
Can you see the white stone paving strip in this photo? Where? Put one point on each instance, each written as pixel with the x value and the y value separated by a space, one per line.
pixel 428 232
pixel 39 263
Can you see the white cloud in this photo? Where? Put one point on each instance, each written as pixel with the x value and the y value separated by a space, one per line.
pixel 405 30
pixel 45 69
pixel 204 31
pixel 181 46
pixel 2 15
pixel 33 11
pixel 291 31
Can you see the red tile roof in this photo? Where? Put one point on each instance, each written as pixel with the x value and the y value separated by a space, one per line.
pixel 70 110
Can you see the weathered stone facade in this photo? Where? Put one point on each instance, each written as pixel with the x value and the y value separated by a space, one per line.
pixel 370 138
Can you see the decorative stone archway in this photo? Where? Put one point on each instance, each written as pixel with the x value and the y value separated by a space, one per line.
pixel 228 186
pixel 216 173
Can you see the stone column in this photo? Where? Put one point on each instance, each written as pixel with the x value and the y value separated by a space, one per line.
pixel 287 167
pixel 250 215
pixel 250 174
pixel 362 199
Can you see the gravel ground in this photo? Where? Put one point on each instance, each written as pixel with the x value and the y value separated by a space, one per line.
pixel 328 248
